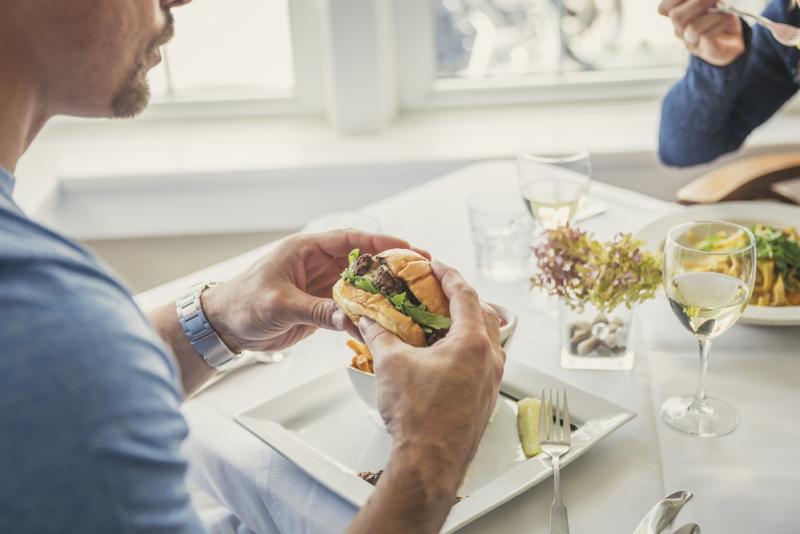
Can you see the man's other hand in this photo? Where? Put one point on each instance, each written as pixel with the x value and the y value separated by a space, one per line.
pixel 440 398
pixel 285 296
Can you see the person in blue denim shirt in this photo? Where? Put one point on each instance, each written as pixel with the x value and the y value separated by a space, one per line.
pixel 90 385
pixel 738 78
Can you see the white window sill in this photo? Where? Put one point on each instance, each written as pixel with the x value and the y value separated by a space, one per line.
pixel 231 158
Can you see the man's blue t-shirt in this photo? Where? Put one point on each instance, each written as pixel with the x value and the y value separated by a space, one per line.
pixel 90 430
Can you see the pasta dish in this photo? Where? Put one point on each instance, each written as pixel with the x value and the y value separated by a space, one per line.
pixel 777 267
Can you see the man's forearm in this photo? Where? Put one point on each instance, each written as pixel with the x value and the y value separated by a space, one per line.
pixel 194 370
pixel 414 494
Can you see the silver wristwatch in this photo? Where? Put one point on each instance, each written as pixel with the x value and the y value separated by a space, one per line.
pixel 202 337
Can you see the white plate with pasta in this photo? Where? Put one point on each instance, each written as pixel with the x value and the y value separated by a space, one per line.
pixel 776 297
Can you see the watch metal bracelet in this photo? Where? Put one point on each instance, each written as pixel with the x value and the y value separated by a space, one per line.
pixel 202 336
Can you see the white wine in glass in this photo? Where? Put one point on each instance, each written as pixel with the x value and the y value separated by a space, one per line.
pixel 552 186
pixel 708 304
pixel 709 273
pixel 551 203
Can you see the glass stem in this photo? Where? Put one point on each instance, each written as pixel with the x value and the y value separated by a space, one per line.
pixel 705 348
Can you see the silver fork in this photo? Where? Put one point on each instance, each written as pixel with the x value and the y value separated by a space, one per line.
pixel 785 34
pixel 554 439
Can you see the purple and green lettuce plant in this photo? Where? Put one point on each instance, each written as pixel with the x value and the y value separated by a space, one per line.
pixel 580 270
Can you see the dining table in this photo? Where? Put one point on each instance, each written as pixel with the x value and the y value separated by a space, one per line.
pixel 745 482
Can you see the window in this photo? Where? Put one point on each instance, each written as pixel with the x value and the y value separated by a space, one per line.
pixel 482 39
pixel 504 38
pixel 223 49
pixel 362 61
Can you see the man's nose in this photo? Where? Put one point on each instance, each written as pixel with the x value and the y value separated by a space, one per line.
pixel 169 4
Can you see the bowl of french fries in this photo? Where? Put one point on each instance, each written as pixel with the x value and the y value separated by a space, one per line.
pixel 362 365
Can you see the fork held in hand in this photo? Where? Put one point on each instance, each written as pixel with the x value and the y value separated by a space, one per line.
pixel 785 34
pixel 554 439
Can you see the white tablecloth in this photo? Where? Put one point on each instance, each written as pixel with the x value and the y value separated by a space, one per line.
pixel 747 482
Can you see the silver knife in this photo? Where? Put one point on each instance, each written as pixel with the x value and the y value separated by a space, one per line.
pixel 689 528
pixel 663 513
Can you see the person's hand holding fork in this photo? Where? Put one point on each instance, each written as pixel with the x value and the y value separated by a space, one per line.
pixel 714 37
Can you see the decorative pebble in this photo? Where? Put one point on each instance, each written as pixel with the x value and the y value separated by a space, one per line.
pixel 611 340
pixel 579 326
pixel 604 350
pixel 580 335
pixel 587 346
pixel 600 331
pixel 579 338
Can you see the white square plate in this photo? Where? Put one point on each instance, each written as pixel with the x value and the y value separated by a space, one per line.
pixel 324 428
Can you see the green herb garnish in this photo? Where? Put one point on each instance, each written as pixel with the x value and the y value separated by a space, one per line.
pixel 420 314
pixel 425 318
pixel 709 243
pixel 365 284
pixel 348 273
pixel 774 245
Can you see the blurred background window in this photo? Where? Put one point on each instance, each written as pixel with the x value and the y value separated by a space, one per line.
pixel 495 39
pixel 222 48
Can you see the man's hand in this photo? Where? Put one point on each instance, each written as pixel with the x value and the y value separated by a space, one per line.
pixel 716 38
pixel 285 296
pixel 436 402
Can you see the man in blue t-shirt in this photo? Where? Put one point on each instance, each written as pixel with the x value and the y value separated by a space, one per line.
pixel 90 386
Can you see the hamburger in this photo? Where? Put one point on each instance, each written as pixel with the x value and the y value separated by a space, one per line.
pixel 398 290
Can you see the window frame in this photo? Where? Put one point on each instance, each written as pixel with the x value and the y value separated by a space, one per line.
pixel 305 98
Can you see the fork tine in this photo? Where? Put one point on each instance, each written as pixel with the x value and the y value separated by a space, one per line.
pixel 557 422
pixel 542 419
pixel 567 425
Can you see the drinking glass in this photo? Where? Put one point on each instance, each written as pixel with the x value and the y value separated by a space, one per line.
pixel 553 185
pixel 709 273
pixel 501 235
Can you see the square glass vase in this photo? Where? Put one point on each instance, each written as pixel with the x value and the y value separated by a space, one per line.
pixel 594 340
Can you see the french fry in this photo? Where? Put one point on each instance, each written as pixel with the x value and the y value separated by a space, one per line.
pixel 362 359
pixel 362 363
pixel 356 346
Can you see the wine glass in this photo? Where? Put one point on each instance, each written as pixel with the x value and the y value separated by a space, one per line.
pixel 553 185
pixel 709 273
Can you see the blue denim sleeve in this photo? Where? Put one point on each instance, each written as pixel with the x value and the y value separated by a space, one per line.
pixel 90 427
pixel 712 110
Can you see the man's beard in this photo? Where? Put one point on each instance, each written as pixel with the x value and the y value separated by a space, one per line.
pixel 134 95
